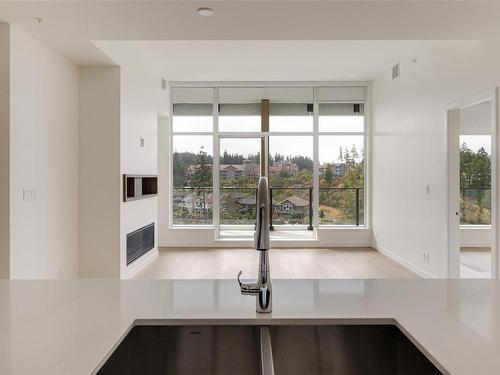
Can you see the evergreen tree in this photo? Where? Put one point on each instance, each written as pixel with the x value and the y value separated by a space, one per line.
pixel 354 153
pixel 328 174
pixel 475 168
pixel 202 177
pixel 303 162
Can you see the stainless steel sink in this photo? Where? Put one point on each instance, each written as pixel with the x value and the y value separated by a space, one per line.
pixel 346 349
pixel 279 349
pixel 187 350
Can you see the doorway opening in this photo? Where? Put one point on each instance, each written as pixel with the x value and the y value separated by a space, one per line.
pixel 471 181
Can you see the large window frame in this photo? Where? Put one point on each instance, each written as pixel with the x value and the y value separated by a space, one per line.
pixel 315 133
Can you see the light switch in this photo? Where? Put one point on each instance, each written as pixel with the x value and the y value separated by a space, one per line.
pixel 29 194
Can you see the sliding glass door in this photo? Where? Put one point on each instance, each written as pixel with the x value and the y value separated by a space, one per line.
pixel 239 172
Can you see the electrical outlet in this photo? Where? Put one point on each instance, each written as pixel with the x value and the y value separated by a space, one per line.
pixel 141 141
pixel 425 256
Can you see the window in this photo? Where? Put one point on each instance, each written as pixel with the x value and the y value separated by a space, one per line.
pixel 245 123
pixel 192 110
pixel 239 110
pixel 475 179
pixel 192 157
pixel 291 178
pixel 192 180
pixel 291 117
pixel 341 164
pixel 239 174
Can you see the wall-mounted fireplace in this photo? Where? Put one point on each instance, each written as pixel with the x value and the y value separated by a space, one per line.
pixel 139 242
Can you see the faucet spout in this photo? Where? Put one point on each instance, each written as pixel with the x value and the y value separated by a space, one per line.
pixel 262 229
pixel 262 288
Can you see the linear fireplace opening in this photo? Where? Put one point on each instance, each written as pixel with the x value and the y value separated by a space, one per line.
pixel 139 242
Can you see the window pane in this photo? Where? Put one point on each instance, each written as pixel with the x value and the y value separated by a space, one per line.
pixel 239 117
pixel 341 194
pixel 192 180
pixel 475 179
pixel 291 178
pixel 239 174
pixel 192 109
pixel 290 117
pixel 341 117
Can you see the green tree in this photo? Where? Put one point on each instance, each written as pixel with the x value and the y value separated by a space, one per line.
pixel 202 177
pixel 328 174
pixel 475 168
pixel 303 162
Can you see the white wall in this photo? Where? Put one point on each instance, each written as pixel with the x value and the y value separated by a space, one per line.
pixel 44 158
pixel 476 119
pixel 143 101
pixel 99 168
pixel 409 146
pixel 205 237
pixel 4 150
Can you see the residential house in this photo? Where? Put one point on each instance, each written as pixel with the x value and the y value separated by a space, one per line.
pixel 284 167
pixel 293 205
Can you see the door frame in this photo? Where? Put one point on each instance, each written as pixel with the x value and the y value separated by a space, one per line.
pixel 453 173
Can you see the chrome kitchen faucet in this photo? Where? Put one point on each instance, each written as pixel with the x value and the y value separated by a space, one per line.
pixel 262 287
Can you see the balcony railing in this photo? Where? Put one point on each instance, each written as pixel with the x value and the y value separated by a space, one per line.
pixel 290 206
pixel 475 206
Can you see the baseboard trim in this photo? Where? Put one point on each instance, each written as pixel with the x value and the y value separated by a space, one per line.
pixel 419 271
pixel 222 243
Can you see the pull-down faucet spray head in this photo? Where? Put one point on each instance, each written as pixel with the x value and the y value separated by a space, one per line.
pixel 261 239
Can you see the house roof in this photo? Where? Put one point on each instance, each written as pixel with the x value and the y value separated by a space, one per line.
pixel 239 167
pixel 297 201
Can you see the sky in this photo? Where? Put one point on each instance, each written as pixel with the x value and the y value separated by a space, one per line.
pixel 475 142
pixel 329 145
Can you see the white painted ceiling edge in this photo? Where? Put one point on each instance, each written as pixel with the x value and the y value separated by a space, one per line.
pixel 69 26
pixel 266 60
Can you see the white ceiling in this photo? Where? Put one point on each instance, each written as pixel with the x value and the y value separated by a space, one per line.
pixel 68 26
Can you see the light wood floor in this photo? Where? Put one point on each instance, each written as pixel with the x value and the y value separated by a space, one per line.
pixel 224 263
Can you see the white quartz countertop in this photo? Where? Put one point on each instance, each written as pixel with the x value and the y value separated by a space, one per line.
pixel 69 327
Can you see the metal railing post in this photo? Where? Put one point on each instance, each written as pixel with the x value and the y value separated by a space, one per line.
pixel 310 227
pixel 357 207
pixel 256 192
pixel 271 226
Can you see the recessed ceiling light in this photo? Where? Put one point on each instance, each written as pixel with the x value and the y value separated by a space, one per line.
pixel 205 12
